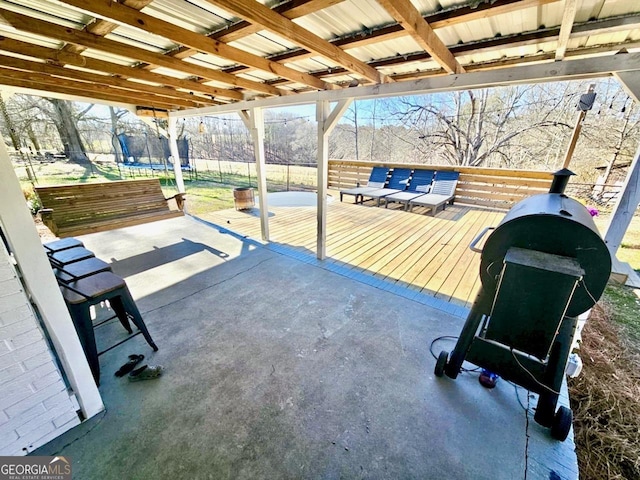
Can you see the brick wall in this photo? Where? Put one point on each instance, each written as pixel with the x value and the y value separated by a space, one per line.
pixel 35 405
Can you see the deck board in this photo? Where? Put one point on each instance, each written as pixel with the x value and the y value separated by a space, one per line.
pixel 415 250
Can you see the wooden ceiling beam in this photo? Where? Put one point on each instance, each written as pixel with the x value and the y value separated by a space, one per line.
pixel 258 14
pixel 102 28
pixel 113 11
pixel 181 98
pixel 409 17
pixel 511 41
pixel 70 35
pixel 55 56
pixel 568 17
pixel 519 60
pixel 38 81
pixel 292 9
pixel 436 20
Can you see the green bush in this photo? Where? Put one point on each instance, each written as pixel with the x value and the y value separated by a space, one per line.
pixel 33 201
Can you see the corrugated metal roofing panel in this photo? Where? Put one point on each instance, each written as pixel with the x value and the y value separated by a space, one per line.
pixel 223 15
pixel 263 44
pixel 48 11
pixel 430 6
pixel 399 46
pixel 345 17
pixel 140 38
pixel 261 76
pixel 109 57
pixel 410 67
pixel 205 61
pixel 616 37
pixel 187 15
pixel 212 61
pixel 31 38
pixel 312 64
pixel 617 7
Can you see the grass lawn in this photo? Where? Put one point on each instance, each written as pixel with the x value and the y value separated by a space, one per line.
pixel 213 190
pixel 629 251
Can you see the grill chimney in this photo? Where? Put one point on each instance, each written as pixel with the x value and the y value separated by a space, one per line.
pixel 560 180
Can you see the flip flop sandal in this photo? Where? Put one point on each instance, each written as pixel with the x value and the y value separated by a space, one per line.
pixel 146 372
pixel 130 365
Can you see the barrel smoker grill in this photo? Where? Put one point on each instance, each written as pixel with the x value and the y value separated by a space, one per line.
pixel 541 267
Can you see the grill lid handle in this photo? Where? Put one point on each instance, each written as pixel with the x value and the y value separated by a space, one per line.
pixel 473 244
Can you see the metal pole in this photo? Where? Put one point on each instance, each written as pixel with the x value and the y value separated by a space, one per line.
pixel 576 132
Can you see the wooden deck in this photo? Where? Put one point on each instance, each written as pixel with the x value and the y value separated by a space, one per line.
pixel 415 250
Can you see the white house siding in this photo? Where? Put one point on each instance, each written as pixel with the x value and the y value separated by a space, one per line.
pixel 35 404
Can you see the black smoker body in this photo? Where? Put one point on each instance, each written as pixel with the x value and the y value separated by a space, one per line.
pixel 542 266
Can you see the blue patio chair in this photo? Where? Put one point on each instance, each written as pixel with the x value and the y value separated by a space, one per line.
pixel 397 183
pixel 442 191
pixel 377 180
pixel 419 184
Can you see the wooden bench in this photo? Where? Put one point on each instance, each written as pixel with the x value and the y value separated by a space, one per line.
pixel 78 209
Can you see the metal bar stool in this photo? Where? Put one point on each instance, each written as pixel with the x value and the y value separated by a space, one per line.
pixel 82 269
pixel 62 244
pixel 81 294
pixel 71 255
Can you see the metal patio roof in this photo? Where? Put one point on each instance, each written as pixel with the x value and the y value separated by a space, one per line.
pixel 188 54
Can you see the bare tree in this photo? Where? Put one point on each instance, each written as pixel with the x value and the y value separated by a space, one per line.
pixel 8 122
pixel 471 127
pixel 66 122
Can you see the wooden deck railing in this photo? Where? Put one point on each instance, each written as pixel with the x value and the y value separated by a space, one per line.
pixel 487 187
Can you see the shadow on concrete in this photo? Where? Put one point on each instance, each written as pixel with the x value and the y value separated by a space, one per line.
pixel 128 266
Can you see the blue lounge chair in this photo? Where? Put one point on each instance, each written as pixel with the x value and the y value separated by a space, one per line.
pixel 419 184
pixel 377 179
pixel 397 183
pixel 442 191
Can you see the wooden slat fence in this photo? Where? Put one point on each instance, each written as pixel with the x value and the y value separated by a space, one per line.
pixel 486 187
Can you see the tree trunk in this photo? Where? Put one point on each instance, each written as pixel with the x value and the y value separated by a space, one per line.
pixel 7 121
pixel 33 137
pixel 68 131
pixel 114 133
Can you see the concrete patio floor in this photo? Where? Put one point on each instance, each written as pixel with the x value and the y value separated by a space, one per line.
pixel 279 368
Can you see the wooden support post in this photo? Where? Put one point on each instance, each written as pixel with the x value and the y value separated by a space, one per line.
pixel 625 207
pixel 327 120
pixel 627 203
pixel 254 121
pixel 173 147
pixel 42 287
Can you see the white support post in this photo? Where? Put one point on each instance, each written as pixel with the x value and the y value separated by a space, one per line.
pixel 630 195
pixel 625 207
pixel 173 147
pixel 254 121
pixel 42 287
pixel 327 120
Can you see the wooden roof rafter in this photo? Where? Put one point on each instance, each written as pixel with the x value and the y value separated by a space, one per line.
pixel 586 29
pixel 258 14
pixel 568 17
pixel 437 20
pixel 88 40
pixel 478 35
pixel 57 57
pixel 125 87
pixel 409 17
pixel 113 11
